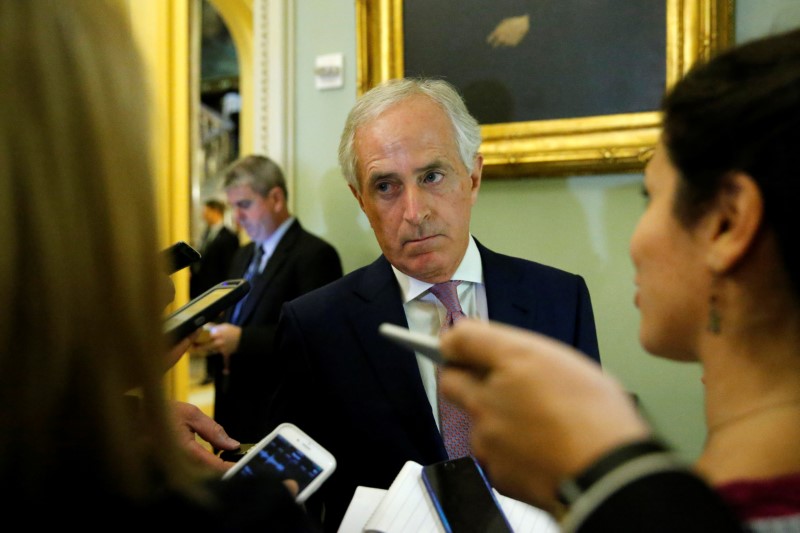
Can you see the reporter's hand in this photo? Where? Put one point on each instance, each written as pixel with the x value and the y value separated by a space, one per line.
pixel 167 290
pixel 176 352
pixel 292 486
pixel 541 411
pixel 191 422
pixel 222 338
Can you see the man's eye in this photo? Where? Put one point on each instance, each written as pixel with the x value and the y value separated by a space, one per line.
pixel 433 177
pixel 383 186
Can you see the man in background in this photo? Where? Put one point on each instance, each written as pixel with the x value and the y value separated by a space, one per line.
pixel 282 262
pixel 409 152
pixel 217 247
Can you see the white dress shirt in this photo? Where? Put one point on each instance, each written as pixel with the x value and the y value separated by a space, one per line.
pixel 426 314
pixel 271 242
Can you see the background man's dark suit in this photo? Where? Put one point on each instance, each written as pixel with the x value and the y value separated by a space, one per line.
pixel 301 262
pixel 215 263
pixel 361 396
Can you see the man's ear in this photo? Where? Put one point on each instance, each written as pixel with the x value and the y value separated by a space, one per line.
pixel 357 196
pixel 475 176
pixel 738 214
pixel 278 197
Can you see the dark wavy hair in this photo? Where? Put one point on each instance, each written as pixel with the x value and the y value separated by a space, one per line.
pixel 740 112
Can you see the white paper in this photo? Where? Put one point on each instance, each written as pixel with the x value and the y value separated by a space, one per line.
pixel 362 506
pixel 406 508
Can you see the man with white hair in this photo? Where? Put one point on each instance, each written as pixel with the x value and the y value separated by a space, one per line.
pixel 409 152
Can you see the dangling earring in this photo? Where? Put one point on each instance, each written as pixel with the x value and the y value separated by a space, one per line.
pixel 714 318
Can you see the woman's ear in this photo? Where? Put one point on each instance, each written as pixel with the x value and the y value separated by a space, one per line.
pixel 738 213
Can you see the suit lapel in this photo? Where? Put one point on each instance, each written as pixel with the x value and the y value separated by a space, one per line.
pixel 509 299
pixel 379 300
pixel 275 262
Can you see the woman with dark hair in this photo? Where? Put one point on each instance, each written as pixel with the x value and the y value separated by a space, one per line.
pixel 718 282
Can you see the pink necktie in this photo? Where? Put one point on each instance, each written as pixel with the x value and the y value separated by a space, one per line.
pixel 454 422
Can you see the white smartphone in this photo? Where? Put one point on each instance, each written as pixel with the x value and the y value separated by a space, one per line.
pixel 288 453
pixel 427 345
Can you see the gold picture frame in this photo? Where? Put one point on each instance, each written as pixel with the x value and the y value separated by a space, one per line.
pixel 602 144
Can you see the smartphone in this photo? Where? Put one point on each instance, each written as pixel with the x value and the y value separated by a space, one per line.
pixel 205 308
pixel 288 453
pixel 463 498
pixel 427 345
pixel 179 256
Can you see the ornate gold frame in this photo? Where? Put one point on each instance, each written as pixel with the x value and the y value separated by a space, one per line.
pixel 696 29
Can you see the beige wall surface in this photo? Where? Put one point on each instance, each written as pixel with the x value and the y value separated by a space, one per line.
pixel 580 224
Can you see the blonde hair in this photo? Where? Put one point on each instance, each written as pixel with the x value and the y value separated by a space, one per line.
pixel 80 275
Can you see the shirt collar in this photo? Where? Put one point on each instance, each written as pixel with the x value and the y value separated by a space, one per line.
pixel 470 270
pixel 271 242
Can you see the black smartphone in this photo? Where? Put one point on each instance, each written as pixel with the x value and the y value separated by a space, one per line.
pixel 179 256
pixel 204 308
pixel 463 498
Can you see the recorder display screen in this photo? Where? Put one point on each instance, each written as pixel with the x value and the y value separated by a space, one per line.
pixel 189 310
pixel 280 458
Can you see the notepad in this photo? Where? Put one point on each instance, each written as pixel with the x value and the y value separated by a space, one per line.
pixel 406 508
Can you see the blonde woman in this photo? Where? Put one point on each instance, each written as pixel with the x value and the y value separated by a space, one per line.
pixel 83 291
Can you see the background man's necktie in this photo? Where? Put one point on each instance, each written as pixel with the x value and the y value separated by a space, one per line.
pixel 454 422
pixel 252 270
pixel 205 239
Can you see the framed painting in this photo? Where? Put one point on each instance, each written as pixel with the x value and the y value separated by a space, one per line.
pixel 559 88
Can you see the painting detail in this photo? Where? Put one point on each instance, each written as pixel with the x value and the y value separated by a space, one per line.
pixel 560 88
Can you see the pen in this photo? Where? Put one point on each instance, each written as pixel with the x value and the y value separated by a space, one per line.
pixel 426 345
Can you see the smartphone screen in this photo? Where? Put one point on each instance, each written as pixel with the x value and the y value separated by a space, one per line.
pixel 204 308
pixel 463 497
pixel 198 304
pixel 282 459
pixel 288 453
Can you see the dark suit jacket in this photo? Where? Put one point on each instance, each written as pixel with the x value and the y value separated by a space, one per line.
pixel 215 263
pixel 301 262
pixel 361 396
